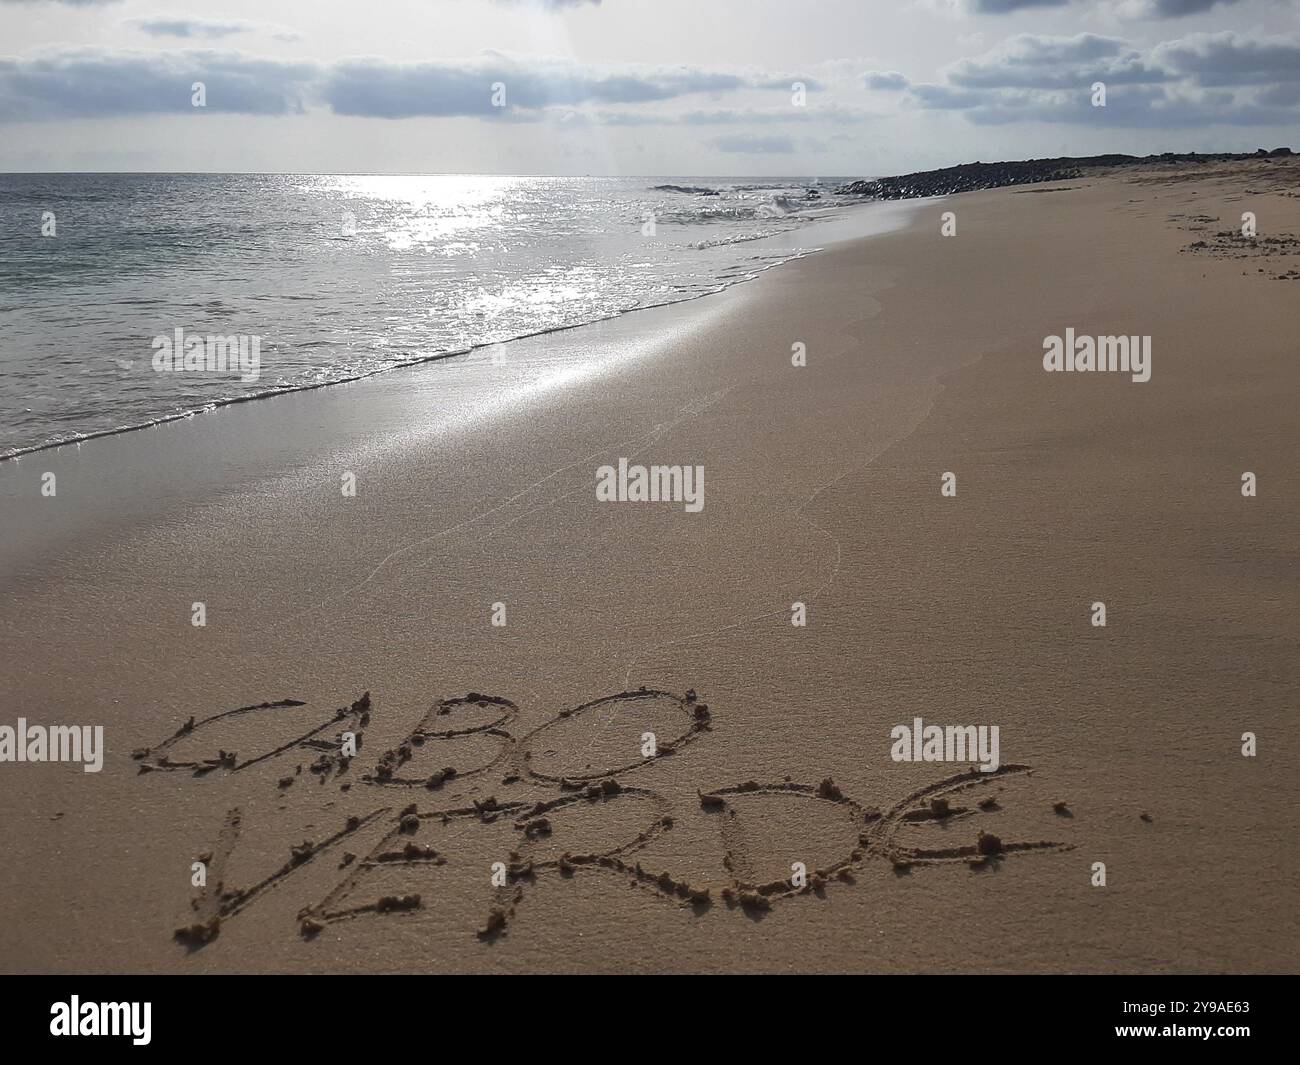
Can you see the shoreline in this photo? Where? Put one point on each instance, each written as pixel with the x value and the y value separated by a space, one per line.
pixel 1118 744
pixel 846 212
pixel 934 185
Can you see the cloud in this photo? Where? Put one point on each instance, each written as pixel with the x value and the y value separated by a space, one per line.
pixel 1280 95
pixel 749 144
pixel 190 26
pixel 1156 9
pixel 1178 8
pixel 384 89
pixel 831 113
pixel 1003 7
pixel 1229 59
pixel 183 26
pixel 65 3
pixel 1199 80
pixel 945 97
pixel 1034 62
pixel 98 82
pixel 92 83
pixel 1142 107
pixel 889 80
pixel 784 82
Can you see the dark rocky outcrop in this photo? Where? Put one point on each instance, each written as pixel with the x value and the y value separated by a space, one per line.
pixel 970 177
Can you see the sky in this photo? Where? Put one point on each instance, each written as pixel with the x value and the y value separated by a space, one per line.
pixel 636 87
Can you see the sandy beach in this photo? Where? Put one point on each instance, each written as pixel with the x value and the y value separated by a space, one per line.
pixel 558 844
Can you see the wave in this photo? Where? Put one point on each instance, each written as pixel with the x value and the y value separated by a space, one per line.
pixel 759 265
pixel 693 190
pixel 543 258
pixel 777 205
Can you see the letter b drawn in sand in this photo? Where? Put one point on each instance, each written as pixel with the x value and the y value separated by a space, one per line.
pixel 456 738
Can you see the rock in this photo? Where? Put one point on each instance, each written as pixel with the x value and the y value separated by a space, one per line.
pixel 971 177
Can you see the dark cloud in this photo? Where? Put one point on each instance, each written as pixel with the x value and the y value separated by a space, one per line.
pixel 183 26
pixel 784 82
pixel 1032 62
pixel 1002 7
pixel 1229 59
pixel 831 113
pixel 93 83
pixel 1150 9
pixel 945 97
pixel 1280 96
pixel 97 82
pixel 890 80
pixel 1199 80
pixel 384 89
pixel 1027 49
pixel 1138 106
pixel 1179 8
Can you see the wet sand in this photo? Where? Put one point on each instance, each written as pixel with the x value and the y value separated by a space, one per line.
pixel 1118 744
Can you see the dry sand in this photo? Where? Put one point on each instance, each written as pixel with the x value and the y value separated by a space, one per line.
pixel 822 487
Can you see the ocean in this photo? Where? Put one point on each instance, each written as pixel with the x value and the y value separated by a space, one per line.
pixel 330 278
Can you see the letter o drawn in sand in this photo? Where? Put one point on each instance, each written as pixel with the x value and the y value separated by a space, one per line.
pixel 602 738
